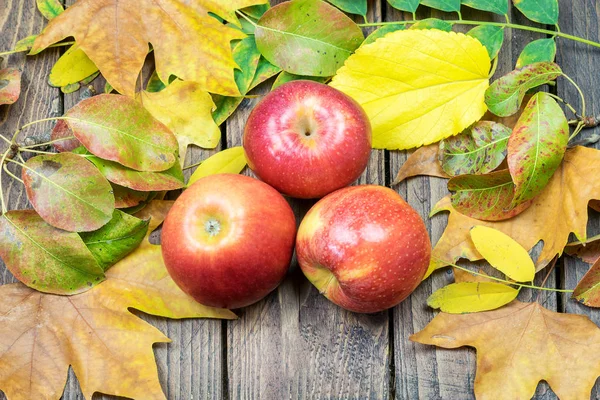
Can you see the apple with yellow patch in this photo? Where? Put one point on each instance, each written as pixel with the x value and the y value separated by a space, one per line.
pixel 307 139
pixel 364 248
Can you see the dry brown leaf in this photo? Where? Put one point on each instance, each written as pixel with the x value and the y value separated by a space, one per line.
pixel 187 42
pixel 559 210
pixel 108 347
pixel 594 205
pixel 521 344
pixel 588 251
pixel 424 161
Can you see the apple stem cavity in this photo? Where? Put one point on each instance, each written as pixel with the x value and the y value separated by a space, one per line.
pixel 212 227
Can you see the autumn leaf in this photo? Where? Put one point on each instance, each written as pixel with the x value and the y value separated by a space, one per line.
pixel 62 131
pixel 566 195
pixel 588 288
pixel 537 51
pixel 10 85
pixel 468 297
pixel 381 32
pixel 72 67
pixel 187 41
pixel 50 8
pixel 588 250
pixel 410 108
pixel 423 161
pixel 109 349
pixel 186 110
pixel 230 161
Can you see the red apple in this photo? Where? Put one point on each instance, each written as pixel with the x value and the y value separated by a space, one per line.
pixel 307 139
pixel 228 240
pixel 364 248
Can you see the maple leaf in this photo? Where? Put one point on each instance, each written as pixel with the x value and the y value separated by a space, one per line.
pixel 559 210
pixel 109 349
pixel 187 41
pixel 521 344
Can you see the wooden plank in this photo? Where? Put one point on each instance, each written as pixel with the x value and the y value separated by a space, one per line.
pixel 297 344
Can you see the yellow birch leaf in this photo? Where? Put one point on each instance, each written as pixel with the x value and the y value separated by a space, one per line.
pixel 503 253
pixel 186 110
pixel 466 297
pixel 417 86
pixel 230 161
pixel 71 67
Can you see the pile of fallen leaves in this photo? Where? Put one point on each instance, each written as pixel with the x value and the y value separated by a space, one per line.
pixel 83 256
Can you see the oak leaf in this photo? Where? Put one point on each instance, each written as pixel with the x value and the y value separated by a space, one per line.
pixel 187 41
pixel 521 344
pixel 559 210
pixel 109 349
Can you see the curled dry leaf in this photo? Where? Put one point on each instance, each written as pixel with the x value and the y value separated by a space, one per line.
pixel 521 344
pixel 46 258
pixel 10 85
pixel 307 37
pixel 588 288
pixel 423 161
pixel 588 251
pixel 230 161
pixel 68 192
pixel 42 335
pixel 559 210
pixel 187 41
pixel 409 108
pixel 62 131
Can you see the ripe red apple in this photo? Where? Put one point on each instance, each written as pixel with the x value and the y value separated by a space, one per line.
pixel 307 139
pixel 228 240
pixel 364 248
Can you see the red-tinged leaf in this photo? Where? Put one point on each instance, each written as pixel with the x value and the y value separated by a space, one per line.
pixel 588 288
pixel 588 251
pixel 61 130
pixel 536 146
pixel 170 179
pixel 46 258
pixel 10 85
pixel 505 95
pixel 487 197
pixel 118 128
pixel 125 197
pixel 68 192
pixel 478 150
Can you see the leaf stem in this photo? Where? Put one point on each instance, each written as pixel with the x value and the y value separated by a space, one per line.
pixel 5 167
pixel 6 53
pixel 2 203
pixel 255 24
pixel 192 165
pixel 6 140
pixel 500 24
pixel 47 143
pixel 36 151
pixel 570 107
pixel 583 114
pixel 33 123
pixel 494 66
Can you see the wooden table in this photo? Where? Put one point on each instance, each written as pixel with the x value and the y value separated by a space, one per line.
pixel 295 343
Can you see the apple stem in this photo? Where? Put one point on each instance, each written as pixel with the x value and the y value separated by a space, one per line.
pixel 212 227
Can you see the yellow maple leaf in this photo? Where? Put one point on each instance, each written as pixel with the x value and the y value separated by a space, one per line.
pixel 521 344
pixel 417 86
pixel 109 349
pixel 559 210
pixel 186 110
pixel 187 41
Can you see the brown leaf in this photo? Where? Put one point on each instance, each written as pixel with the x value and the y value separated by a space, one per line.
pixel 588 251
pixel 559 210
pixel 594 205
pixel 187 41
pixel 424 161
pixel 521 344
pixel 109 349
pixel 588 288
pixel 10 85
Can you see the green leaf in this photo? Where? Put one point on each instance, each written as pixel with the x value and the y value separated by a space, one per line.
pixel 505 95
pixel 246 56
pixel 496 6
pixel 71 67
pixel 230 161
pixel 70 88
pixel 45 258
pixel 433 23
pixel 144 181
pixel 108 88
pixel 225 106
pixel 486 197
pixel 89 79
pixel 490 36
pixel 478 150
pixel 68 192
pixel 351 6
pixel 142 205
pixel 542 11
pixel 49 8
pixel 307 37
pixel 537 51
pixel 26 43
pixel 444 5
pixel 264 71
pixel 467 297
pixel 119 237
pixel 256 11
pixel 154 83
pixel 537 146
pixel 125 197
pixel 587 290
pixel 118 128
pixel 405 5
pixel 381 32
pixel 285 77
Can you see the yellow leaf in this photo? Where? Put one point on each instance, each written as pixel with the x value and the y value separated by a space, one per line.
pixel 187 41
pixel 109 348
pixel 186 110
pixel 503 253
pixel 71 67
pixel 465 297
pixel 417 86
pixel 520 345
pixel 230 161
